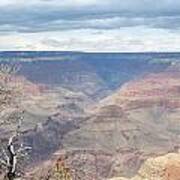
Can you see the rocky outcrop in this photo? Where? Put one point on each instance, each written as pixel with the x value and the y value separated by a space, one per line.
pixel 165 167
pixel 81 165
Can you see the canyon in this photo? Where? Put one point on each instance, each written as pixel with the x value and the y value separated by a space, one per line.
pixel 103 118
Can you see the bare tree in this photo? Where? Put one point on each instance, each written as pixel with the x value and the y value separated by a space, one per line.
pixel 11 114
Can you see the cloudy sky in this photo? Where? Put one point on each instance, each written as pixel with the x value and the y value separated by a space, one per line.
pixel 90 25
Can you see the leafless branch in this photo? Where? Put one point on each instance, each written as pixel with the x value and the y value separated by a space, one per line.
pixel 10 112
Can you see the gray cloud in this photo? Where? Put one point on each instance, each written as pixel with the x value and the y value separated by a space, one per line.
pixel 48 15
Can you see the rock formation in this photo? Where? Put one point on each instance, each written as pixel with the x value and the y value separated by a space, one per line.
pixel 139 121
pixel 165 167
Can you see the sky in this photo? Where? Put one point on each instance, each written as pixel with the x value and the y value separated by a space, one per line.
pixel 90 25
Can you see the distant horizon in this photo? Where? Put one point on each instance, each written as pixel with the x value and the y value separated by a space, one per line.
pixel 94 52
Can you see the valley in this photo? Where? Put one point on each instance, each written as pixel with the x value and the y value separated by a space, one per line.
pixel 96 113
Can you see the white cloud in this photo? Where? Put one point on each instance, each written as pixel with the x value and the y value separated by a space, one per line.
pixel 125 40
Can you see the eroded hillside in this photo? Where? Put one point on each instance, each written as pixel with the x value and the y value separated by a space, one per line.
pixel 139 121
pixel 48 114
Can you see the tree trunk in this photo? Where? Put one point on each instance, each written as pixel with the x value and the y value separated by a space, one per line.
pixel 12 160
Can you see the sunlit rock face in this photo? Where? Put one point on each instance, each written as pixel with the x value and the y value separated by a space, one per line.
pixel 165 167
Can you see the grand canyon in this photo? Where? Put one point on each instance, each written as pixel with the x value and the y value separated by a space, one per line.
pixel 95 116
